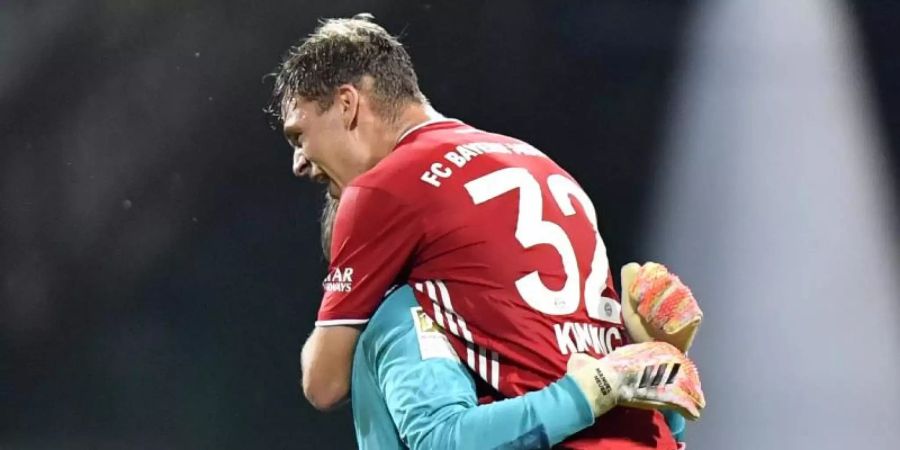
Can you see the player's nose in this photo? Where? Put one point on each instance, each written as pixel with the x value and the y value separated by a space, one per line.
pixel 301 163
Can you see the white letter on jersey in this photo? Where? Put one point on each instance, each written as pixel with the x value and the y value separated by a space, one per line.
pixel 437 170
pixel 582 337
pixel 597 340
pixel 431 179
pixel 455 159
pixel 441 171
pixel 563 338
pixel 609 338
pixel 466 152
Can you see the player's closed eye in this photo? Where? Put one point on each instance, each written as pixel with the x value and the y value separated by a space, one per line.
pixel 295 142
pixel 293 139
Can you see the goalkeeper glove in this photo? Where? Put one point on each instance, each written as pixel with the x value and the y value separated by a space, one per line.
pixel 656 305
pixel 650 375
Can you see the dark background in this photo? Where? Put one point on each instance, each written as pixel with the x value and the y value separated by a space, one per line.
pixel 160 264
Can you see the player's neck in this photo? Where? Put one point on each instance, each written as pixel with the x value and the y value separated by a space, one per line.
pixel 411 116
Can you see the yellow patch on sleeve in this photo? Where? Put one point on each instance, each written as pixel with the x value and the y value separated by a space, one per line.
pixel 433 343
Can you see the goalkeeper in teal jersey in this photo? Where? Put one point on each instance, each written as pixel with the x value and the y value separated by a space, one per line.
pixel 410 390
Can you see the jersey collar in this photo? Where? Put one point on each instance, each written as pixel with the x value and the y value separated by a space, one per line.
pixel 435 117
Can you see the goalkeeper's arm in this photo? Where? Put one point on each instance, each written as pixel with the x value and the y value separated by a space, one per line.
pixel 452 418
pixel 432 400
pixel 433 404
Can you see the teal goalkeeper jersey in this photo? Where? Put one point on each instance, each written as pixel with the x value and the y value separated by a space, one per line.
pixel 410 390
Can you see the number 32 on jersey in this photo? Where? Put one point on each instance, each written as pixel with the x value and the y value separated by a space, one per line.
pixel 532 229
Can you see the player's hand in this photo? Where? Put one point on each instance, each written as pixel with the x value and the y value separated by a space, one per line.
pixel 650 375
pixel 656 305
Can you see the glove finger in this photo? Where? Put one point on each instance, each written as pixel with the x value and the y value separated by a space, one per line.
pixel 682 405
pixel 678 308
pixel 663 300
pixel 650 284
pixel 659 373
pixel 680 384
pixel 579 360
pixel 667 398
pixel 686 383
pixel 628 274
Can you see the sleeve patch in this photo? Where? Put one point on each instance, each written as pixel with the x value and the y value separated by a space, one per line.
pixel 433 343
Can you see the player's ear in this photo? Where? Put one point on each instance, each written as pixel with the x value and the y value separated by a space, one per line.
pixel 348 102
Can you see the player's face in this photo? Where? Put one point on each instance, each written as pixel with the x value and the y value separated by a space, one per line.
pixel 321 142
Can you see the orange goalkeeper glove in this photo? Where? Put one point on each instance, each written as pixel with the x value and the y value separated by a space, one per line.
pixel 657 306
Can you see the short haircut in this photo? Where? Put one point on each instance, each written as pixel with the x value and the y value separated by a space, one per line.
pixel 343 51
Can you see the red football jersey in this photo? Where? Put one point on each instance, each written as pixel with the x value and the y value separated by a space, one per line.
pixel 501 247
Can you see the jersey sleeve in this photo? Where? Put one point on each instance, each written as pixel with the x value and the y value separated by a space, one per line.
pixel 676 423
pixel 374 237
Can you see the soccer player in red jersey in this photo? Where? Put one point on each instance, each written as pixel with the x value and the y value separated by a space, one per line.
pixel 499 243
